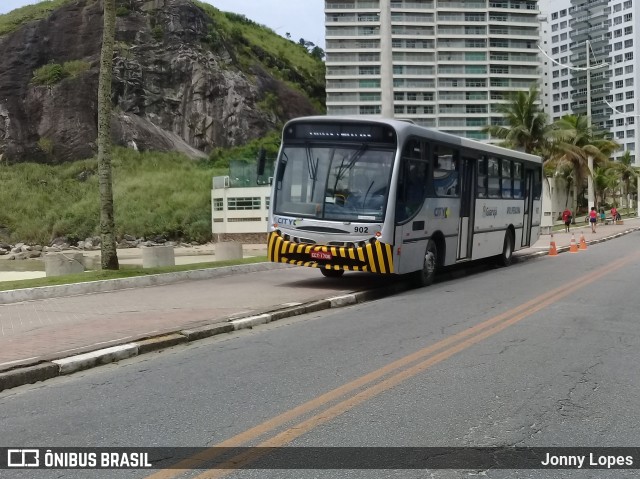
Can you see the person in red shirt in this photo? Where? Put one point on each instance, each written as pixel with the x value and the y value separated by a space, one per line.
pixel 614 214
pixel 566 218
pixel 593 217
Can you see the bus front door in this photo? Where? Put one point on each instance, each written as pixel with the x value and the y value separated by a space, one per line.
pixel 465 226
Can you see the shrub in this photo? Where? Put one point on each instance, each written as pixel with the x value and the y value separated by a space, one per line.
pixel 75 68
pixel 157 33
pixel 53 73
pixel 49 74
pixel 46 145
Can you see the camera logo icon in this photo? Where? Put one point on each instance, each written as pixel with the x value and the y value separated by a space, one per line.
pixel 23 458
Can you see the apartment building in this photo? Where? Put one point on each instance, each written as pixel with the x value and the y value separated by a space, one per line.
pixel 610 27
pixel 441 63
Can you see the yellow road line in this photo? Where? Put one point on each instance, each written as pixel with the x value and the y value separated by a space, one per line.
pixel 435 353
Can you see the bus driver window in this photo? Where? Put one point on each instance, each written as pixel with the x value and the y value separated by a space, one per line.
pixel 412 184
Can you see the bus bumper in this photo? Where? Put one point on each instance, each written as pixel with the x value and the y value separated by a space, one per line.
pixel 374 257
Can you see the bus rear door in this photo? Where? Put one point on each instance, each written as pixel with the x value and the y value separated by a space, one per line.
pixel 465 226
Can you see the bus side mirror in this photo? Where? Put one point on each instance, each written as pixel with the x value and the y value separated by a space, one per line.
pixel 262 161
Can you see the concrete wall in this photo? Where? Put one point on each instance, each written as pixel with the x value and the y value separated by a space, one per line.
pixel 252 219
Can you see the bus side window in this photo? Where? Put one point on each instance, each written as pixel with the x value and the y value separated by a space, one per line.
pixel 506 181
pixel 537 185
pixel 482 178
pixel 518 178
pixel 493 173
pixel 413 181
pixel 445 171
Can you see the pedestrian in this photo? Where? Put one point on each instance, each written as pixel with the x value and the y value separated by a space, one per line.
pixel 602 215
pixel 614 214
pixel 566 218
pixel 593 217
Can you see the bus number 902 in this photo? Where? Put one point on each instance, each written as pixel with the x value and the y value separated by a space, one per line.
pixel 361 229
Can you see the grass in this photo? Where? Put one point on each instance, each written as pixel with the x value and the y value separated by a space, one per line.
pixel 155 194
pixel 123 273
pixel 11 21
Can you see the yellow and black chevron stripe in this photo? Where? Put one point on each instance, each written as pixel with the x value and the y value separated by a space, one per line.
pixel 375 257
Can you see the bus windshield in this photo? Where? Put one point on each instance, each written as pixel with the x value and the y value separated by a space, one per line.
pixel 345 183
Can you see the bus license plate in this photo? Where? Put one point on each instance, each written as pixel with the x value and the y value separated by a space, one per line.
pixel 321 255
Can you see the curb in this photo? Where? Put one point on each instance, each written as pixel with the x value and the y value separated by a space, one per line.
pixel 32 373
pixel 22 375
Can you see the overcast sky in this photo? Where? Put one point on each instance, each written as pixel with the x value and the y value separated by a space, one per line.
pixel 300 18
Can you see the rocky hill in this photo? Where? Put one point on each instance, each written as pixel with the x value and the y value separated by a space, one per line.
pixel 186 77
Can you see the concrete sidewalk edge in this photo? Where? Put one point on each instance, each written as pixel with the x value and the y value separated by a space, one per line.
pixel 30 373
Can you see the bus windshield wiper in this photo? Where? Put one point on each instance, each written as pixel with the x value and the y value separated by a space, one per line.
pixel 311 165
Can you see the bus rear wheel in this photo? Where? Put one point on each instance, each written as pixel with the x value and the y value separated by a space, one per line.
pixel 426 275
pixel 332 273
pixel 506 257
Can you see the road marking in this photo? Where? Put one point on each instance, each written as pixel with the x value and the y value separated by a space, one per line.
pixel 18 361
pixel 388 376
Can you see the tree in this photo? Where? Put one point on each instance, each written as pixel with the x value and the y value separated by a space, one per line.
pixel 573 142
pixel 526 124
pixel 627 173
pixel 105 180
pixel 605 180
pixel 317 53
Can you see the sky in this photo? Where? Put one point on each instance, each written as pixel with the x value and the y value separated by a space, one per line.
pixel 300 18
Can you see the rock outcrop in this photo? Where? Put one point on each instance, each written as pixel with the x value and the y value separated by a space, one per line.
pixel 173 89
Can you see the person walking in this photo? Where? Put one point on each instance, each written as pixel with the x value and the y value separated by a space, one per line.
pixel 593 218
pixel 614 214
pixel 566 218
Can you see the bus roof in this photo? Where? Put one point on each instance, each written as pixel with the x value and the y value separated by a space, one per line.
pixel 408 128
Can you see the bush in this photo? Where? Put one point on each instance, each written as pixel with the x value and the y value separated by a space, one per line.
pixel 48 75
pixel 75 68
pixel 53 73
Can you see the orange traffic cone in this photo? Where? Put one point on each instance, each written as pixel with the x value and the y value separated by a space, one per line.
pixel 573 248
pixel 552 247
pixel 583 243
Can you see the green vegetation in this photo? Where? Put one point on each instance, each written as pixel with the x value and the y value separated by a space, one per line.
pixel 154 193
pixel 48 74
pixel 157 33
pixel 10 22
pixel 567 146
pixel 220 157
pixel 53 73
pixel 123 273
pixel 253 43
pixel 46 145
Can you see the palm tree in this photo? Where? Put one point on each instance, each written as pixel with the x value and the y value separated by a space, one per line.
pixel 605 180
pixel 574 142
pixel 627 172
pixel 526 126
pixel 105 180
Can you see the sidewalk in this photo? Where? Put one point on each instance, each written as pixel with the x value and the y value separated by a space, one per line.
pixel 46 332
pixel 563 240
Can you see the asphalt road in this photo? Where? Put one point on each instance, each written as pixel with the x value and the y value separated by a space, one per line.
pixel 543 353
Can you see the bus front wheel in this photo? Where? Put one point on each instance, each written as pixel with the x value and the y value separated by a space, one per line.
pixel 332 273
pixel 507 250
pixel 426 275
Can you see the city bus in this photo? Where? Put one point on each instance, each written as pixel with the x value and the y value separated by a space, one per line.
pixel 392 197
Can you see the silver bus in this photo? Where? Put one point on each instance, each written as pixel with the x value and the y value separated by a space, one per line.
pixel 391 197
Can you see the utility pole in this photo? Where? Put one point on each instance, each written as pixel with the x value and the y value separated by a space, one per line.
pixel 590 192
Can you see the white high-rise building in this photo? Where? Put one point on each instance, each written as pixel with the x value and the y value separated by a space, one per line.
pixel 611 28
pixel 440 63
